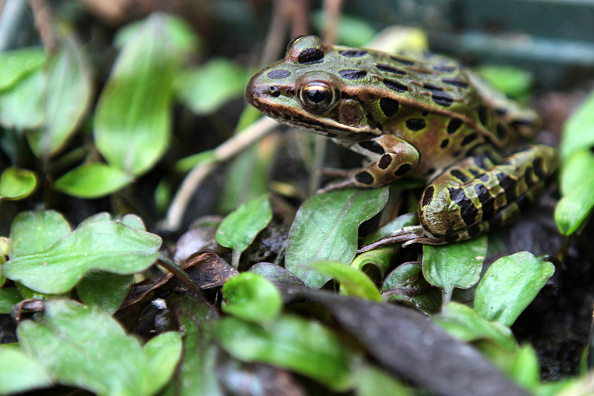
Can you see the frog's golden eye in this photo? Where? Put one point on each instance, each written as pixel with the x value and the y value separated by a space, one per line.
pixel 318 96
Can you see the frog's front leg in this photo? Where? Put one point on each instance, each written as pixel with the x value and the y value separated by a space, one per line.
pixel 474 196
pixel 391 158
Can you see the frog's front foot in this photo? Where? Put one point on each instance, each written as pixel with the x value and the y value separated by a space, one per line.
pixel 406 236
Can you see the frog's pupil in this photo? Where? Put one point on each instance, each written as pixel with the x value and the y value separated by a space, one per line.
pixel 316 95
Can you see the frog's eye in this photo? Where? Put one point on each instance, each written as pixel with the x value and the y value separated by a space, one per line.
pixel 318 96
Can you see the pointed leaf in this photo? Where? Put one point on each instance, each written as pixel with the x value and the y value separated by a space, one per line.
pixel 325 228
pixel 303 346
pixel 68 96
pixel 107 246
pixel 16 64
pixel 21 106
pixel 104 289
pixel 251 297
pixel 16 183
pixel 35 231
pixel 85 347
pixel 578 130
pixel 239 228
pixel 92 180
pixel 454 265
pixel 509 285
pixel 133 120
pixel 8 297
pixel 353 282
pixel 20 373
pixel 575 208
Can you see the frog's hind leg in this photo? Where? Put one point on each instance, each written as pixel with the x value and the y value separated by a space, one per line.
pixel 391 158
pixel 474 196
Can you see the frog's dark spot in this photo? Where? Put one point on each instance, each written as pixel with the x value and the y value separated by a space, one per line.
pixel 388 106
pixel 530 177
pixel 415 124
pixel 403 169
pixel 467 209
pixel 474 172
pixel 395 85
pixel 353 53
pixel 402 61
pixel 351 74
pixel 487 201
pixel 500 131
pixel 474 230
pixel 311 55
pixel 452 238
pixel 444 68
pixel 442 98
pixel 539 170
pixel 484 177
pixel 425 113
pixel 432 87
pixel 444 143
pixel 385 161
pixel 468 139
pixel 455 82
pixel 481 162
pixel 390 69
pixel 427 196
pixel 482 115
pixel 501 111
pixel 458 174
pixel 523 202
pixel 279 73
pixel 373 146
pixel 508 184
pixel 364 177
pixel 454 125
pixel 522 123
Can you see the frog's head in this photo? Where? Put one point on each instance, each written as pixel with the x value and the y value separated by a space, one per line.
pixel 313 88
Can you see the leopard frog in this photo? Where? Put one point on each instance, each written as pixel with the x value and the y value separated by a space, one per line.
pixel 424 118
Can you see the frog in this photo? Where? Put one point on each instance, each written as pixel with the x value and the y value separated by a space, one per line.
pixel 423 117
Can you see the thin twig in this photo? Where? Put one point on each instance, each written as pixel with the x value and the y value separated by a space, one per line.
pixel 224 152
pixel 44 24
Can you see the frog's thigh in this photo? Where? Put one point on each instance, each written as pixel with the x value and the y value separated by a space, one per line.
pixel 391 158
pixel 474 196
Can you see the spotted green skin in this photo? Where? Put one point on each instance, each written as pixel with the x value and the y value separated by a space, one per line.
pixel 424 118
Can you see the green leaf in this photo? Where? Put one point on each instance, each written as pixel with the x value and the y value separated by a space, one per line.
pixel 575 208
pixel 454 265
pixel 85 347
pixel 509 285
pixel 353 282
pixel 16 64
pixel 183 39
pixel 292 343
pixel 239 228
pixel 353 31
pixel 133 118
pixel 188 163
pixel 162 354
pixel 206 88
pixel 107 246
pixel 325 229
pixel 576 170
pixel 406 284
pixel 251 297
pixel 372 381
pixel 396 224
pixel 35 231
pixel 20 373
pixel 198 368
pixel 21 106
pixel 466 325
pixel 68 97
pixel 578 130
pixel 8 297
pixel 92 180
pixel 512 81
pixel 16 183
pixel 104 289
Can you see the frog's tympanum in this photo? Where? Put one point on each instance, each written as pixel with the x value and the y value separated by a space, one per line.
pixel 424 118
